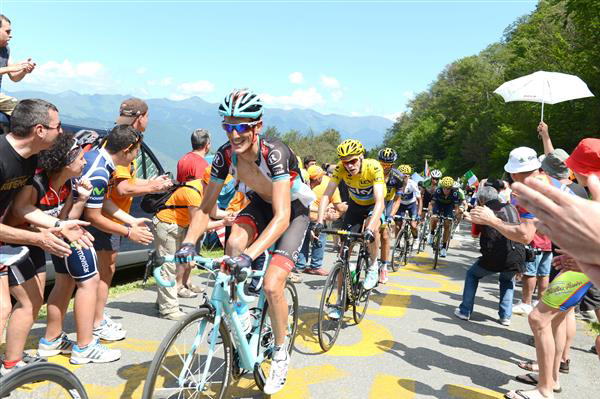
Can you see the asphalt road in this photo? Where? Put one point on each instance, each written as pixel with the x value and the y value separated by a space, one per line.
pixel 410 345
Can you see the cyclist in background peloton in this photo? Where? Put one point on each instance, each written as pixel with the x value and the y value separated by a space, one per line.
pixel 446 203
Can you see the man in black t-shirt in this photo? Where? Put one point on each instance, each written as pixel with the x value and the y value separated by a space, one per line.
pixel 35 125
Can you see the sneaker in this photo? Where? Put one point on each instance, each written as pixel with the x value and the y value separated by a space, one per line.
pixel 198 289
pixel 443 253
pixel 108 333
pixel 335 313
pixel 177 315
pixel 522 308
pixel 62 344
pixel 277 376
pixel 588 315
pixel 294 278
pixel 460 315
pixel 371 278
pixel 504 322
pixel 30 359
pixel 4 371
pixel 94 353
pixel 185 293
pixel 112 323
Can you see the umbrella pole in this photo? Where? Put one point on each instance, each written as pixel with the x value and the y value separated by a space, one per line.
pixel 541 120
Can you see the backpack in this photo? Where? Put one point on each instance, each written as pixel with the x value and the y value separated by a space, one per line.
pixel 499 254
pixel 155 202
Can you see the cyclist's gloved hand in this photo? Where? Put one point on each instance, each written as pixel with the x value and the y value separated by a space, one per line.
pixel 317 229
pixel 186 253
pixel 242 261
pixel 369 236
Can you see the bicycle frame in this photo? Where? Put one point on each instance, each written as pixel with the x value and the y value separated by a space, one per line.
pixel 221 304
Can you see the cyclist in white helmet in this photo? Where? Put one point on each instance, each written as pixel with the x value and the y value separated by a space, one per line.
pixel 278 212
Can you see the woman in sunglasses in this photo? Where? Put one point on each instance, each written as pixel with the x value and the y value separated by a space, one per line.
pixel 60 167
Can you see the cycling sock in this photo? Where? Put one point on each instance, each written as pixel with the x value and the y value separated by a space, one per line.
pixel 9 364
pixel 280 353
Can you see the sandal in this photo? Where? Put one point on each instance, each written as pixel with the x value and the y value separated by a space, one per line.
pixel 528 365
pixel 520 394
pixel 532 379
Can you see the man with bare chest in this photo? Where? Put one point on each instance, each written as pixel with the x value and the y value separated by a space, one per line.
pixel 278 213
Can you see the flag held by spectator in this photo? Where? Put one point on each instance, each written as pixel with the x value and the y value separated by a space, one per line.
pixel 426 172
pixel 471 178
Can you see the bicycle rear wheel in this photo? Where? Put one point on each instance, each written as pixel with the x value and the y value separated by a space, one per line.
pixel 180 361
pixel 42 380
pixel 266 340
pixel 333 300
pixel 361 296
pixel 436 245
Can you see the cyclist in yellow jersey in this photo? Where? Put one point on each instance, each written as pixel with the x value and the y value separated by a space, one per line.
pixel 366 187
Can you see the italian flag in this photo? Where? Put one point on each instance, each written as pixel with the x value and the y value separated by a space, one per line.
pixel 426 172
pixel 471 178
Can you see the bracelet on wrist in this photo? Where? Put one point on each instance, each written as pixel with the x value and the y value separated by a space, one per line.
pixel 58 223
pixel 128 232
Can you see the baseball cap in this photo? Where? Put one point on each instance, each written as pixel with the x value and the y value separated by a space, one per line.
pixel 315 171
pixel 554 164
pixel 585 158
pixel 131 109
pixel 522 159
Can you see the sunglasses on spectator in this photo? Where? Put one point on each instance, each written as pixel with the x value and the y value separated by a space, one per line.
pixel 243 127
pixel 350 161
pixel 57 127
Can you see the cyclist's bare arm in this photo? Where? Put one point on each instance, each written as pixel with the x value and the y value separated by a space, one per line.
pixel 396 205
pixel 200 219
pixel 419 204
pixel 378 193
pixel 331 186
pixel 280 222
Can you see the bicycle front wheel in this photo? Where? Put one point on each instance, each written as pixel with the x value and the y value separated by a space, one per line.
pixel 332 307
pixel 436 246
pixel 42 380
pixel 361 296
pixel 179 368
pixel 397 251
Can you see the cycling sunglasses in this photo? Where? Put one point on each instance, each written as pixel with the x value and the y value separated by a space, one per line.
pixel 350 161
pixel 386 165
pixel 243 127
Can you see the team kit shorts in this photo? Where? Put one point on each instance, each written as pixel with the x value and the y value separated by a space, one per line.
pixel 258 213
pixel 446 210
pixel 411 208
pixel 356 215
pixel 566 290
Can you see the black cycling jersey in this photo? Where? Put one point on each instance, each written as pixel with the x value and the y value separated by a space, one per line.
pixel 276 161
pixel 452 198
pixel 393 184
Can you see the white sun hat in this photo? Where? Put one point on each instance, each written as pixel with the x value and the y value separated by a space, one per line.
pixel 522 159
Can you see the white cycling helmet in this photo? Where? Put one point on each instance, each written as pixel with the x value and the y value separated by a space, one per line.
pixel 241 103
pixel 436 174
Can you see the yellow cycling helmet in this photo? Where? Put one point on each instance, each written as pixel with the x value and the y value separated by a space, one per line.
pixel 405 169
pixel 350 147
pixel 447 182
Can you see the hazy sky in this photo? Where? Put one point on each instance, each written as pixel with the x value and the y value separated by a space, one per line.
pixel 347 57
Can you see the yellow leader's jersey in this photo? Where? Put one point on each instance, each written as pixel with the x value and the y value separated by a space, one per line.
pixel 360 186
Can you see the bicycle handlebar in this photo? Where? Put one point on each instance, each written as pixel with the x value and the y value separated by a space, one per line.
pixel 343 233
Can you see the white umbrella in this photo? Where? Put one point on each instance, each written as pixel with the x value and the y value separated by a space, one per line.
pixel 544 87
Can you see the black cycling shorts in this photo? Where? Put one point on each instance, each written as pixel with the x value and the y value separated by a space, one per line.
pixel 29 268
pixel 259 213
pixel 355 215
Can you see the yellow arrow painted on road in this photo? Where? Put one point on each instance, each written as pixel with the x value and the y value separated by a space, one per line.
pixel 459 391
pixel 391 304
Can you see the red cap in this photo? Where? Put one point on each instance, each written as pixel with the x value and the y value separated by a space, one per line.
pixel 585 158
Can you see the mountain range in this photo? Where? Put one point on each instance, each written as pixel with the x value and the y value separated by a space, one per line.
pixel 171 122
